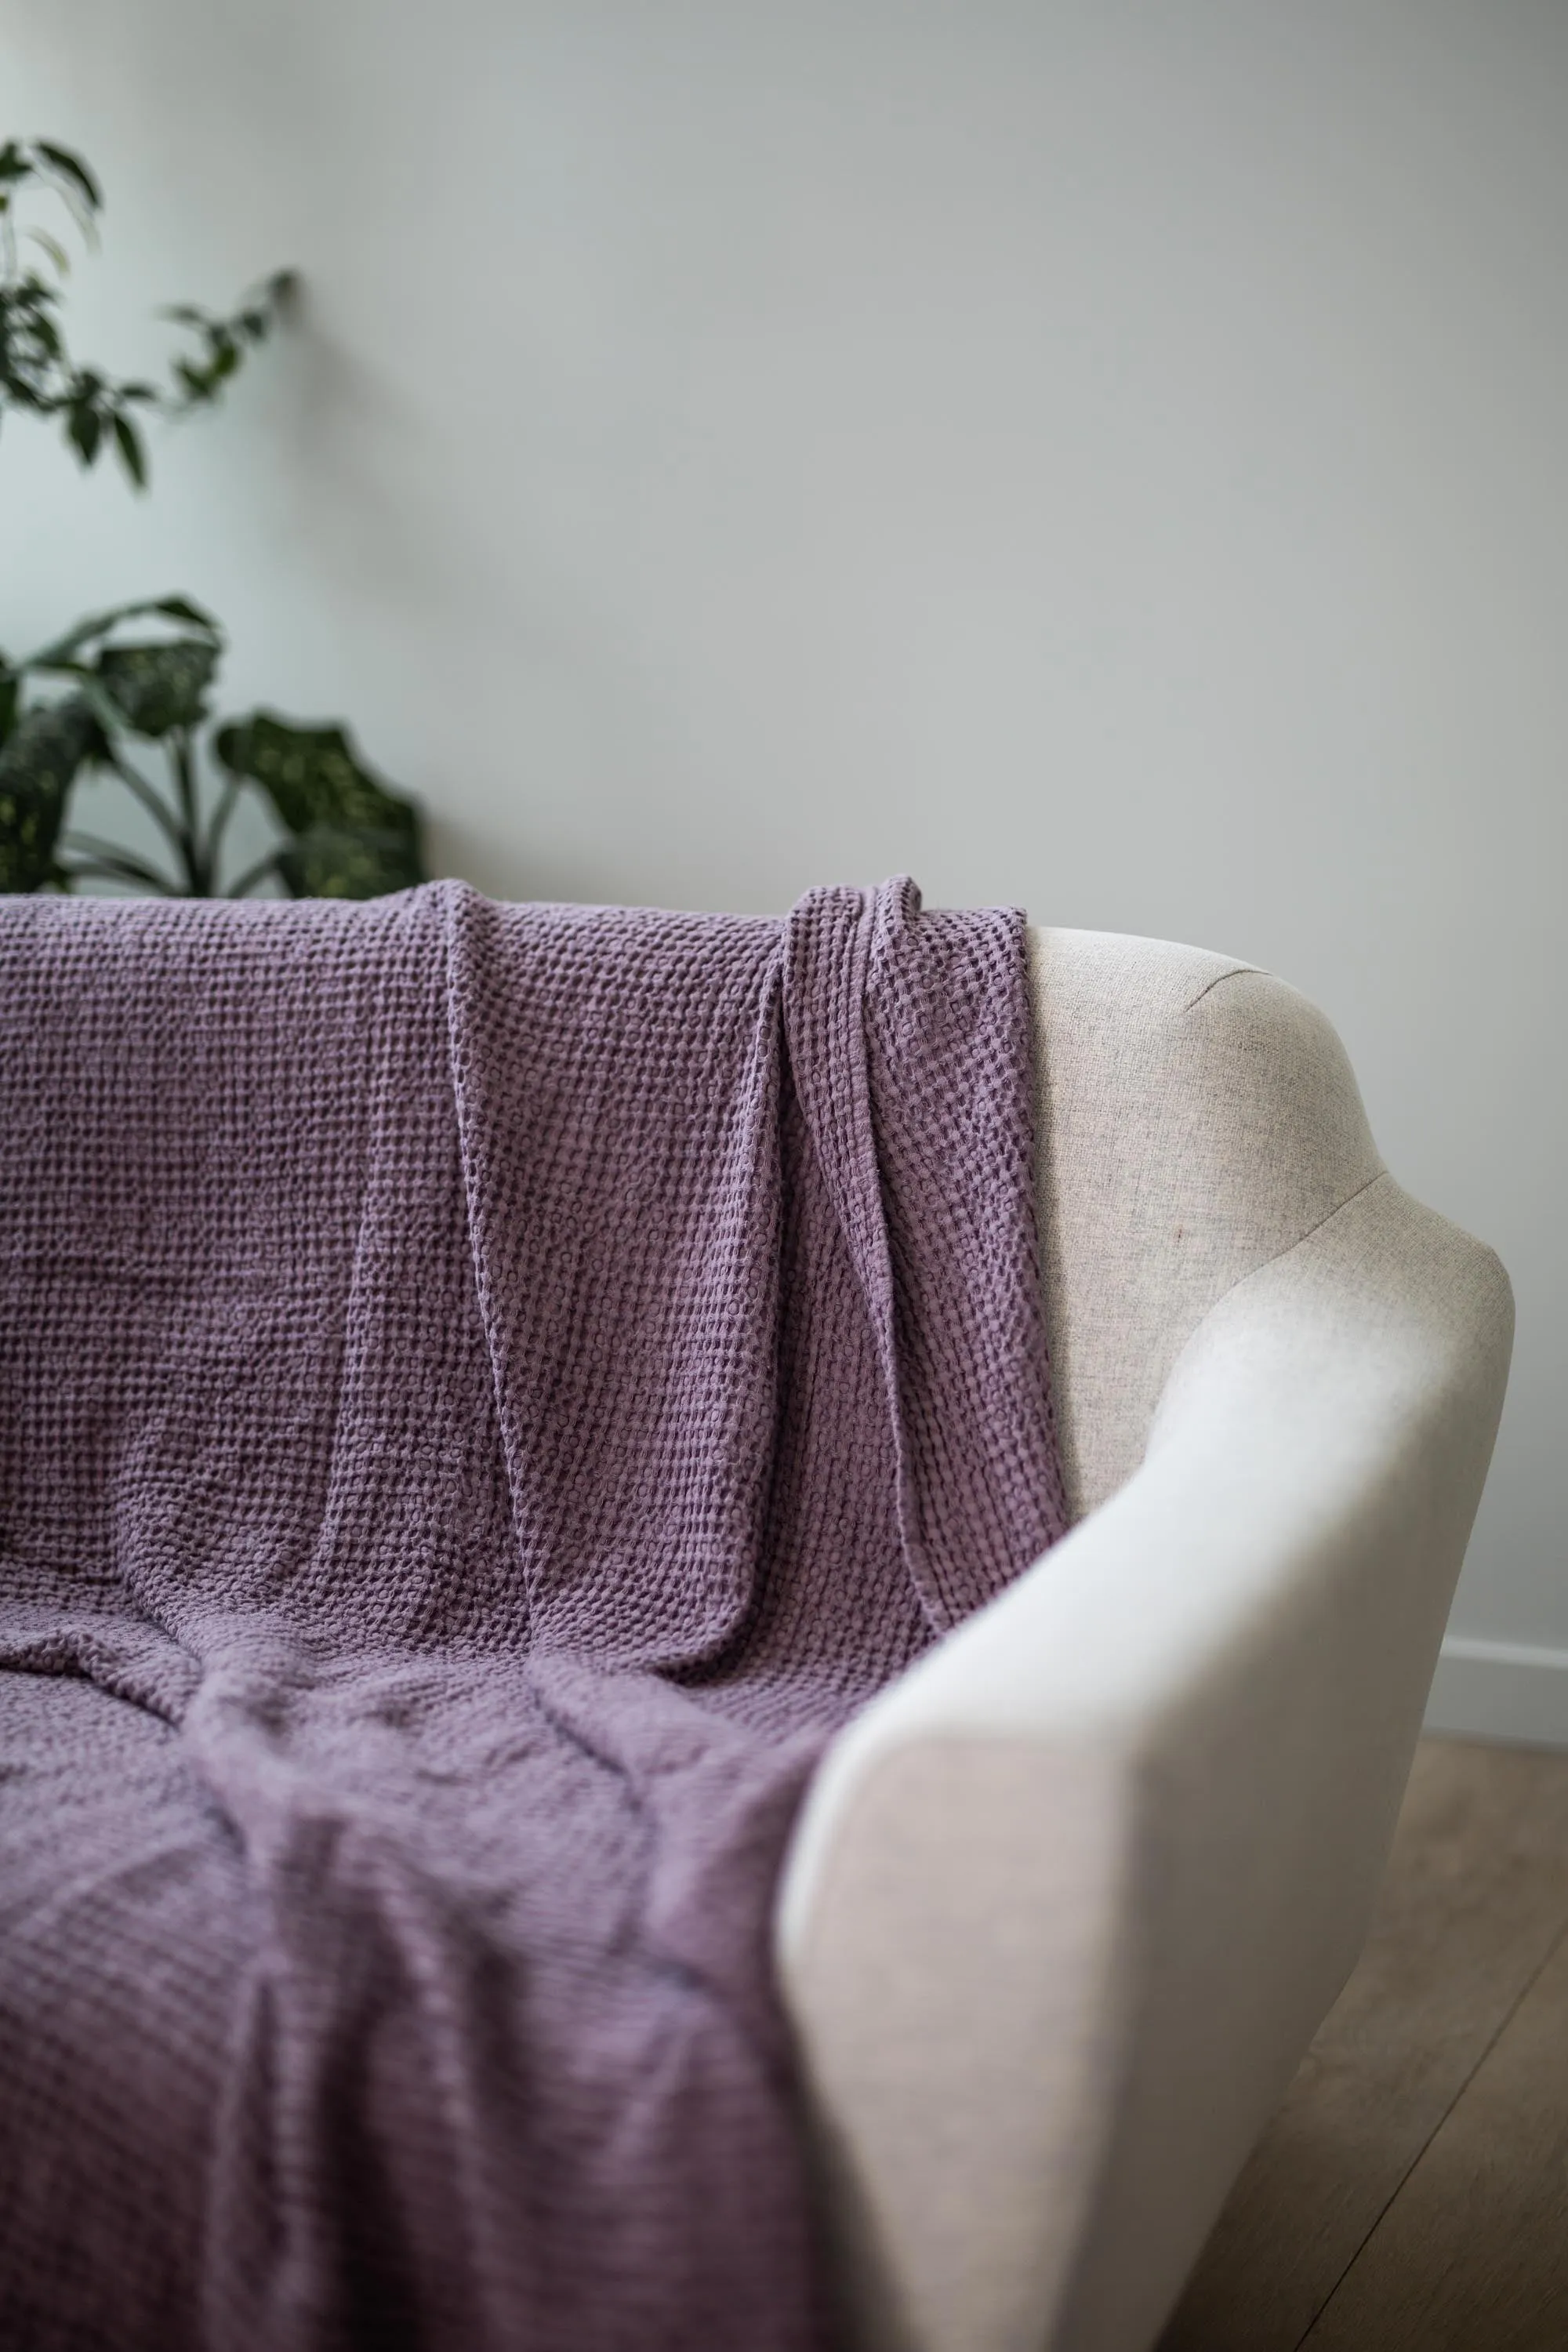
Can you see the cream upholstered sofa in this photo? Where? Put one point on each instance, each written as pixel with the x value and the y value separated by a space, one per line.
pixel 1067 1903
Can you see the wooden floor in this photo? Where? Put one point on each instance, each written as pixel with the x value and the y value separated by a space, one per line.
pixel 1411 2194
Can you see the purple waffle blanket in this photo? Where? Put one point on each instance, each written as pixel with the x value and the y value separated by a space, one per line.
pixel 484 1393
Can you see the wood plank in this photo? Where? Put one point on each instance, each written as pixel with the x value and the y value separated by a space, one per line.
pixel 1476 1895
pixel 1472 2256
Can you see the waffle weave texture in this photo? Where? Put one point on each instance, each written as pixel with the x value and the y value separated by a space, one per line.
pixel 485 1392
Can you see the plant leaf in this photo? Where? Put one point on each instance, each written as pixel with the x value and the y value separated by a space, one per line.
pixel 132 457
pixel 157 687
pixel 38 761
pixel 70 167
pixel 85 428
pixel 352 836
pixel 62 653
pixel 54 248
pixel 179 608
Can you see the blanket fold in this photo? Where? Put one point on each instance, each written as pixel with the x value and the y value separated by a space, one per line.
pixel 485 1392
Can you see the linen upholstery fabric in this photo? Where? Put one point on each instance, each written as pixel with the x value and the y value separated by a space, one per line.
pixel 1068 1901
pixel 486 1393
pixel 1197 1118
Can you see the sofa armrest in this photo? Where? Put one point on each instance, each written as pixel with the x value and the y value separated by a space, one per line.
pixel 1068 1901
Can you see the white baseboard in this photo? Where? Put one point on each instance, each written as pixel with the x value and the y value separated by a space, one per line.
pixel 1500 1690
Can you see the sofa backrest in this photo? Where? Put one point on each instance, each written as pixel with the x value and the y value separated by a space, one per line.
pixel 1195 1117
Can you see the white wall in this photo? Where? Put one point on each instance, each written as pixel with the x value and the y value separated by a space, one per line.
pixel 1107 458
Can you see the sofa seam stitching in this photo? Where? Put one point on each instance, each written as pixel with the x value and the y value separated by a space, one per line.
pixel 1236 972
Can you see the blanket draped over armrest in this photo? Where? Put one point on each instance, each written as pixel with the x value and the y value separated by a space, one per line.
pixel 484 1393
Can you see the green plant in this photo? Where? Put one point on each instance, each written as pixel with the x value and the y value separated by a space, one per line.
pixel 345 833
pixel 88 703
pixel 38 374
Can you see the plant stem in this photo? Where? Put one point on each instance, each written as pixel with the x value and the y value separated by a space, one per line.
pixel 227 800
pixel 186 785
pixel 253 875
pixel 151 799
pixel 119 866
